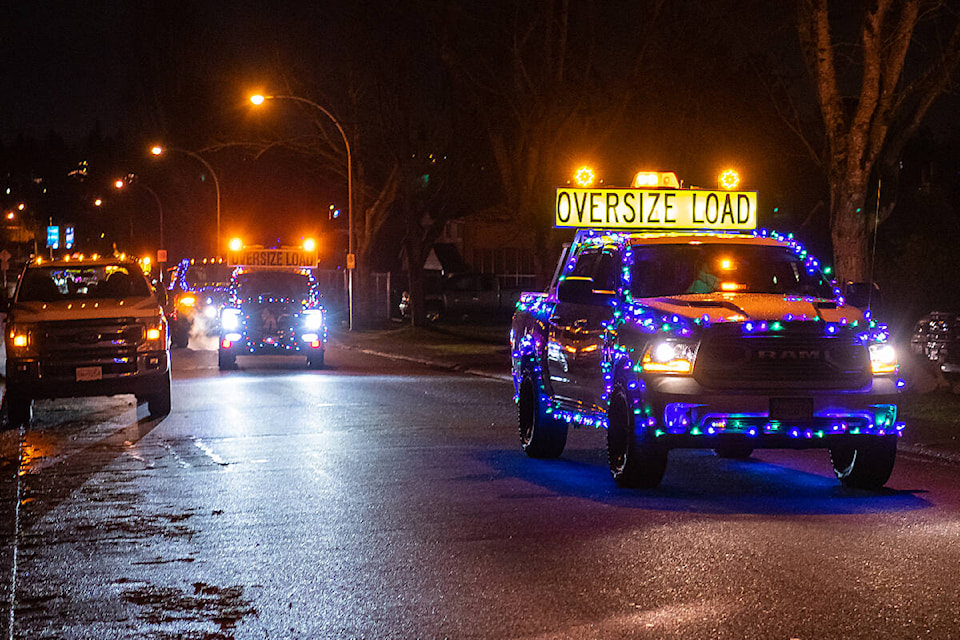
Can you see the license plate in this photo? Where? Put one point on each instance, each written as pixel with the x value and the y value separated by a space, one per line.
pixel 87 374
pixel 791 408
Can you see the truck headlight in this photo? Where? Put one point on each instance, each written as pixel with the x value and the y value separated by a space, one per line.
pixel 312 320
pixel 883 359
pixel 669 356
pixel 230 319
pixel 154 334
pixel 20 339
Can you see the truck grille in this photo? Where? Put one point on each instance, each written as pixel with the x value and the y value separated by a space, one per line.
pixel 270 319
pixel 110 342
pixel 800 356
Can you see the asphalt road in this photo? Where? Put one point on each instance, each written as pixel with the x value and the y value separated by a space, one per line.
pixel 377 499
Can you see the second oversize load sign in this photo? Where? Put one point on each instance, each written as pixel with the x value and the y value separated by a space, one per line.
pixel 656 209
pixel 258 257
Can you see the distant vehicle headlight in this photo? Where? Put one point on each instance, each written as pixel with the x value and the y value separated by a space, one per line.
pixel 187 301
pixel 230 319
pixel 312 320
pixel 883 359
pixel 670 356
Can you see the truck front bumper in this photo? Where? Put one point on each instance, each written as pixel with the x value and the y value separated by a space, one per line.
pixel 37 378
pixel 682 413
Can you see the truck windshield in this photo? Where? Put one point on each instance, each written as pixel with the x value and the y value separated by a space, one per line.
pixel 207 275
pixel 670 270
pixel 273 284
pixel 82 282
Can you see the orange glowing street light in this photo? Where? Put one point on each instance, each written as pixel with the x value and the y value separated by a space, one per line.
pixel 259 99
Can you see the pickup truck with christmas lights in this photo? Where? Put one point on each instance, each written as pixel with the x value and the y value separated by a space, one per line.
pixel 198 290
pixel 85 326
pixel 273 305
pixel 672 322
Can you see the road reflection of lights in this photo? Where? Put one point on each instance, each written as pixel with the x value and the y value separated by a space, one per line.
pixel 677 615
pixel 34 449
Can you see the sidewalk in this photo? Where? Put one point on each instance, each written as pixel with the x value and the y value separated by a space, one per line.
pixel 477 349
pixel 932 412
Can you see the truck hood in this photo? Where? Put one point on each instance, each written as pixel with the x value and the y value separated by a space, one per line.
pixel 85 309
pixel 742 307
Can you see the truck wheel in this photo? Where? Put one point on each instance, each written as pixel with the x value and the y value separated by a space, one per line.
pixel 159 402
pixel 541 435
pixel 226 361
pixel 180 338
pixel 16 411
pixel 867 464
pixel 315 361
pixel 633 464
pixel 733 450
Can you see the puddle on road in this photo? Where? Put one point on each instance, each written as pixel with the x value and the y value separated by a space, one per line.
pixel 223 606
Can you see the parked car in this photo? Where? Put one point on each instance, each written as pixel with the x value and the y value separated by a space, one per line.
pixel 936 337
pixel 464 295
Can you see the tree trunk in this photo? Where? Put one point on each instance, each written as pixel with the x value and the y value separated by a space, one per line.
pixel 849 229
pixel 413 247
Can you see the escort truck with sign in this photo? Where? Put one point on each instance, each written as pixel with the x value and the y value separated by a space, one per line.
pixel 273 306
pixel 85 327
pixel 674 323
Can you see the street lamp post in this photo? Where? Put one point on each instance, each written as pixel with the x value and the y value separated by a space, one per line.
pixel 351 257
pixel 158 150
pixel 120 184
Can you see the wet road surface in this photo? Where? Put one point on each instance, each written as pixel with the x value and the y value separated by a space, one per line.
pixel 376 499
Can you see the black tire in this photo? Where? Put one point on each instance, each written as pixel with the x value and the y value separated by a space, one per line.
pixel 16 410
pixel 866 464
pixel 179 336
pixel 541 435
pixel 634 462
pixel 734 450
pixel 315 361
pixel 226 361
pixel 158 403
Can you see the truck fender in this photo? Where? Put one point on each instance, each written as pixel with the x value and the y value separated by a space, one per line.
pixel 621 372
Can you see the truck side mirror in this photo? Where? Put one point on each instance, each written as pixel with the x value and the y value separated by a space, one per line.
pixel 578 290
pixel 861 294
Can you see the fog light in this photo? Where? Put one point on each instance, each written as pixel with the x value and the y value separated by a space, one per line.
pixel 232 337
pixel 310 337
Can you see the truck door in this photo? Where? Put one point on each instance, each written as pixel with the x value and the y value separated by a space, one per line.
pixel 586 366
pixel 574 350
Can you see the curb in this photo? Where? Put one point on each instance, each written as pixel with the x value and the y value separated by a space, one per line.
pixel 503 377
pixel 922 452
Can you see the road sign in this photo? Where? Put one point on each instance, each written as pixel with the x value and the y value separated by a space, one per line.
pixel 53 236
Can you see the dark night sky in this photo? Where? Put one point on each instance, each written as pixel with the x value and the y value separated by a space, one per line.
pixel 64 66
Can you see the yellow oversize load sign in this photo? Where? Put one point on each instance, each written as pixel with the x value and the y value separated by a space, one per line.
pixel 666 209
pixel 279 258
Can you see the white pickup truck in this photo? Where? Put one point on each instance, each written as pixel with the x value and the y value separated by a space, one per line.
pixel 89 327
